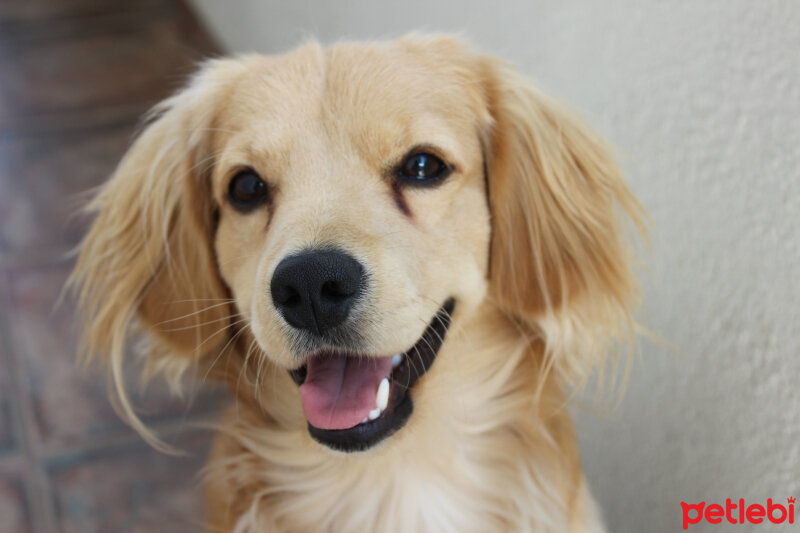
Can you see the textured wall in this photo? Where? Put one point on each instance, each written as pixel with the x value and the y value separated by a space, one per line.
pixel 703 100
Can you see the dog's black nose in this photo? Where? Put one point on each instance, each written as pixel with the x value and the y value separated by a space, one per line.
pixel 315 290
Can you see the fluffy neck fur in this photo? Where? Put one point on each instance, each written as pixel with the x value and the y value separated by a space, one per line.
pixel 482 452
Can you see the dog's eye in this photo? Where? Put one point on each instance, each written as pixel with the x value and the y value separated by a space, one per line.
pixel 422 168
pixel 247 190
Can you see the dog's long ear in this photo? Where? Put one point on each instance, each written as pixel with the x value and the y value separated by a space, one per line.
pixel 559 263
pixel 147 262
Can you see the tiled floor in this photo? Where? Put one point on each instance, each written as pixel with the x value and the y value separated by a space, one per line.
pixel 75 75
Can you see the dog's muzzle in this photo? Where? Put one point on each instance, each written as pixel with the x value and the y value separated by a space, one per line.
pixel 353 401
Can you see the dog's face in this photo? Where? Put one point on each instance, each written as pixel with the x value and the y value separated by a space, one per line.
pixel 384 172
pixel 353 218
pixel 343 207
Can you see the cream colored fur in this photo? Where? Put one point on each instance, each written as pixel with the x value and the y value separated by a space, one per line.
pixel 525 235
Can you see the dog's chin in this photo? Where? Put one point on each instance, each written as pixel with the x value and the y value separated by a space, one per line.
pixel 335 388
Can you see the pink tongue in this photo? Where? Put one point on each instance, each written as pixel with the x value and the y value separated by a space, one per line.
pixel 339 391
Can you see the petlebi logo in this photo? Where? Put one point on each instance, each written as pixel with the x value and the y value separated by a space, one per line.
pixel 738 512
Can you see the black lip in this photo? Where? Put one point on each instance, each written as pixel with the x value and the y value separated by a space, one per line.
pixel 417 361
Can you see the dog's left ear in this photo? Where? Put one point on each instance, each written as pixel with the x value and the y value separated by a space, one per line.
pixel 559 263
pixel 147 264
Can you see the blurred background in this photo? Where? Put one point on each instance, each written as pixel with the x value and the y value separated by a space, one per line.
pixel 702 100
pixel 75 75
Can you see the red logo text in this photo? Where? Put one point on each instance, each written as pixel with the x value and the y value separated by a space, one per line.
pixel 738 512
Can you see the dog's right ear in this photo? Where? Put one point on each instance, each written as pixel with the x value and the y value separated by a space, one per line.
pixel 147 262
pixel 560 260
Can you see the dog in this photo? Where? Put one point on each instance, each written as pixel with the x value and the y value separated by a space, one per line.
pixel 403 259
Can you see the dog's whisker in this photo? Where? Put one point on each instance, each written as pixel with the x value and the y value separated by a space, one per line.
pixel 200 324
pixel 243 371
pixel 260 366
pixel 196 129
pixel 183 300
pixel 221 353
pixel 413 365
pixel 444 323
pixel 252 350
pixel 217 332
pixel 204 309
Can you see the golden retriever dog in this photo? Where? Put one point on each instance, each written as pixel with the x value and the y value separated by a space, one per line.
pixel 401 257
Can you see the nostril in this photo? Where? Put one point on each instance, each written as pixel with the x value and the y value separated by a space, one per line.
pixel 287 296
pixel 335 291
pixel 330 291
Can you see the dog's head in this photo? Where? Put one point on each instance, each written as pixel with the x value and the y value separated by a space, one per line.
pixel 342 209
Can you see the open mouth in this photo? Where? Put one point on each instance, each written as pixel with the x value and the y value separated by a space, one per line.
pixel 353 401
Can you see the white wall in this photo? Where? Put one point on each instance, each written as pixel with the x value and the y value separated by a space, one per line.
pixel 703 98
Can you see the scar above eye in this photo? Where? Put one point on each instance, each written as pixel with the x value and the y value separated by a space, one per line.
pixel 400 200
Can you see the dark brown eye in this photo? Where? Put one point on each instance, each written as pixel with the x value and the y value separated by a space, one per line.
pixel 422 169
pixel 247 191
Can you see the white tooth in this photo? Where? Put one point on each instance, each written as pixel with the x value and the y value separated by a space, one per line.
pixel 396 360
pixel 366 419
pixel 375 413
pixel 382 398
